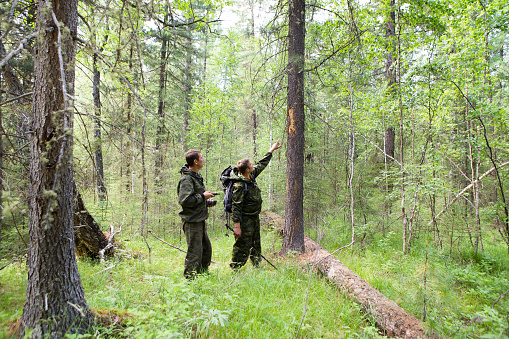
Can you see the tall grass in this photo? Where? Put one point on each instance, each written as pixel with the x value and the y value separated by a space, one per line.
pixel 155 301
pixel 459 295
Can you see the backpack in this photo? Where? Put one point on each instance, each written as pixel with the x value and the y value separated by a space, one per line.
pixel 228 188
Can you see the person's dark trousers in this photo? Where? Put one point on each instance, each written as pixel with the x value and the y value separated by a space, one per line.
pixel 250 228
pixel 199 249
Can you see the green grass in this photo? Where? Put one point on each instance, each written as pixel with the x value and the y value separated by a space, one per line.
pixel 157 302
pixel 459 292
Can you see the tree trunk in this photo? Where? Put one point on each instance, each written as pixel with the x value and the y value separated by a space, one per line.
pixel 159 159
pixel 101 189
pixel 352 165
pixel 390 34
pixel 255 125
pixel 407 232
pixel 294 215
pixel 390 76
pixel 129 186
pixel 187 91
pixel 55 304
pixel 389 139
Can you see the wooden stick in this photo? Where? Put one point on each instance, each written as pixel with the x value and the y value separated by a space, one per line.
pixel 175 247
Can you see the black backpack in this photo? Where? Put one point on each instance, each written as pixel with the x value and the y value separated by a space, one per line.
pixel 228 188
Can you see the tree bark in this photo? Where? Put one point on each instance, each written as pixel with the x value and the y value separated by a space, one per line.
pixel 390 34
pixel 293 238
pixel 129 187
pixel 55 303
pixel 255 126
pixel 389 139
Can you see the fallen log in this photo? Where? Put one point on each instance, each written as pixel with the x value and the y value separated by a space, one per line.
pixel 389 317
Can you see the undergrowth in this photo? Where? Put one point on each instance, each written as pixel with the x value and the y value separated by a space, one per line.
pixel 460 295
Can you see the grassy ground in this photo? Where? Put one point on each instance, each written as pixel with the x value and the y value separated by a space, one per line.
pixel 150 296
pixel 155 301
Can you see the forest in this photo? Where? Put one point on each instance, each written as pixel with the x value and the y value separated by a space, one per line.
pixel 393 117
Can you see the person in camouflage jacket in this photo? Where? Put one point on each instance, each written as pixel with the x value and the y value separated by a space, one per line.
pixel 193 200
pixel 246 207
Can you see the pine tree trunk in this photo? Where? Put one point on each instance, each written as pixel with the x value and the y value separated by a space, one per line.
pixel 187 91
pixel 390 76
pixel 159 159
pixel 96 94
pixel 55 303
pixel 255 126
pixel 129 187
pixel 293 238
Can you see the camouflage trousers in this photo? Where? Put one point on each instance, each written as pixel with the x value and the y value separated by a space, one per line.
pixel 242 250
pixel 199 249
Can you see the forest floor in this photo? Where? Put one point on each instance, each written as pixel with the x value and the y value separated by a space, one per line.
pixel 146 296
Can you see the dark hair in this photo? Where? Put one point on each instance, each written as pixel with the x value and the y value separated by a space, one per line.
pixel 243 165
pixel 191 156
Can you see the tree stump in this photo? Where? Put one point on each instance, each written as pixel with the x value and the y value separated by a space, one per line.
pixel 88 236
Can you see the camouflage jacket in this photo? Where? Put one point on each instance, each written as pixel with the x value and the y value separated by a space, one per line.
pixel 247 197
pixel 190 193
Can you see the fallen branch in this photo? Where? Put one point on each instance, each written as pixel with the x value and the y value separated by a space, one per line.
pixel 107 268
pixel 175 247
pixel 499 297
pixel 110 240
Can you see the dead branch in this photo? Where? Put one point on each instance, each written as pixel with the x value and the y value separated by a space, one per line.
pixel 499 297
pixel 110 240
pixel 16 98
pixel 466 189
pixel 18 49
pixel 175 247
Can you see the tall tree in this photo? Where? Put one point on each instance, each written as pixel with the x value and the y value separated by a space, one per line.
pixel 96 94
pixel 294 215
pixel 159 158
pixel 187 88
pixel 55 303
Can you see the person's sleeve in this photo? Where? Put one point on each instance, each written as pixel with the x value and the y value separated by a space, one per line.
pixel 187 196
pixel 261 164
pixel 237 198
